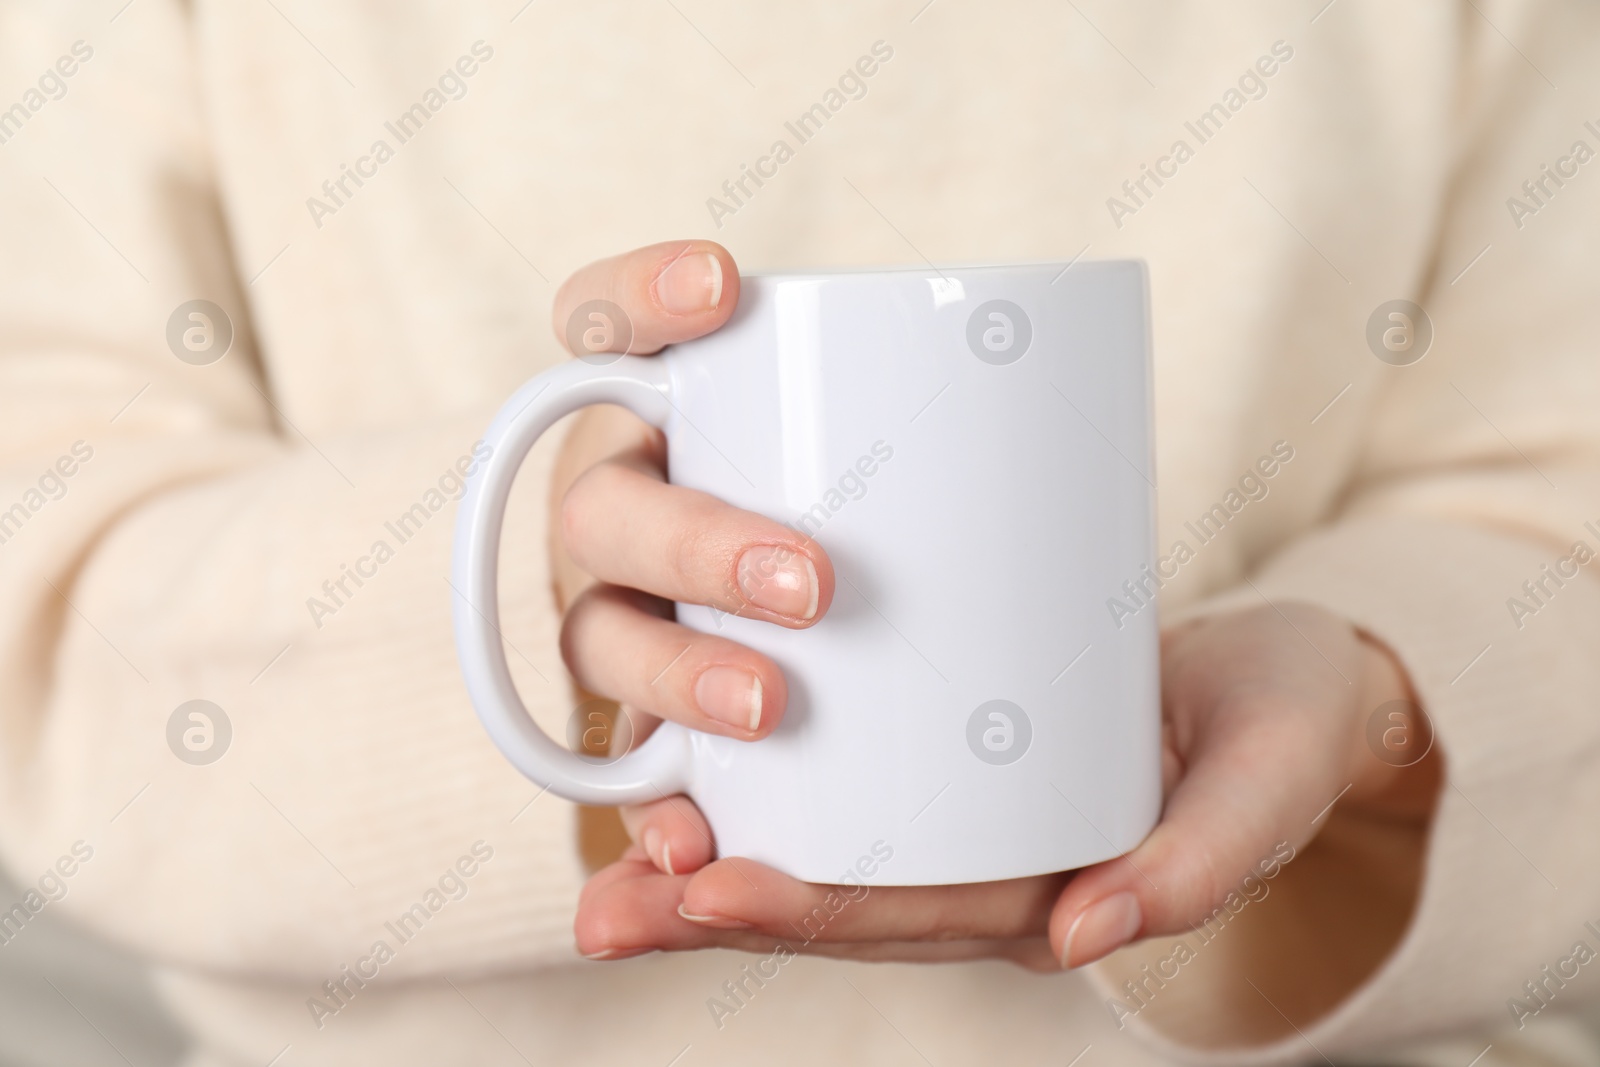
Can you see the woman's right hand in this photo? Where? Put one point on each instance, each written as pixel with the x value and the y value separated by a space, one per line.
pixel 628 544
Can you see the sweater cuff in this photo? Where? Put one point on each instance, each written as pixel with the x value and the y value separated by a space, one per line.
pixel 1510 681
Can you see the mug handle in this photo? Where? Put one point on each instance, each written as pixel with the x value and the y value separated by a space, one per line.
pixel 659 767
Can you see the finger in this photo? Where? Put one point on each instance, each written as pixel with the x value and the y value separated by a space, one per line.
pixel 622 909
pixel 665 293
pixel 622 523
pixel 738 893
pixel 602 432
pixel 633 863
pixel 615 645
pixel 1235 818
pixel 629 908
pixel 672 832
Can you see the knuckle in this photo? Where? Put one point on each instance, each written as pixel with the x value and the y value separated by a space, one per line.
pixel 584 505
pixel 1186 872
pixel 574 514
pixel 1204 890
pixel 585 625
pixel 572 629
pixel 690 552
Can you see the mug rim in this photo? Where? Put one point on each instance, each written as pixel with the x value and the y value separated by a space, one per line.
pixel 940 270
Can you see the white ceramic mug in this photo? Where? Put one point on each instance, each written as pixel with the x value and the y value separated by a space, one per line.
pixel 972 448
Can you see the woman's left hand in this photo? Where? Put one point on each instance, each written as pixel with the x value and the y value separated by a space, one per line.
pixel 1265 721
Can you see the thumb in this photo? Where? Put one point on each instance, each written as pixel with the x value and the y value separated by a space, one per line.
pixel 1231 823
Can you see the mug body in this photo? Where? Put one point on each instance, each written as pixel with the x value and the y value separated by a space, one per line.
pixel 972 448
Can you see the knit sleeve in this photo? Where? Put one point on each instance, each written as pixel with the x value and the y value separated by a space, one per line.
pixel 232 728
pixel 1467 543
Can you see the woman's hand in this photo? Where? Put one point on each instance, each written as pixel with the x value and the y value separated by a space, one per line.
pixel 628 544
pixel 1266 714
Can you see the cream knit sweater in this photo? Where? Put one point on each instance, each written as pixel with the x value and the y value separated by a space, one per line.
pixel 381 202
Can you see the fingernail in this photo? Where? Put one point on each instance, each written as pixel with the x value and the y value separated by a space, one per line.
pixel 666 858
pixel 779 579
pixel 616 953
pixel 690 284
pixel 652 846
pixel 715 920
pixel 1101 929
pixel 731 695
